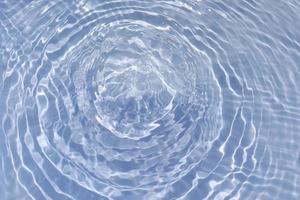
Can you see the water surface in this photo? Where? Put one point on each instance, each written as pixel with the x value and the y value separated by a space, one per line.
pixel 150 100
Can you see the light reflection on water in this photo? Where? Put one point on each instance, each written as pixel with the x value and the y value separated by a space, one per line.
pixel 150 99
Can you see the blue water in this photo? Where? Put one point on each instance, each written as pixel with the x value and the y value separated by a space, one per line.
pixel 150 99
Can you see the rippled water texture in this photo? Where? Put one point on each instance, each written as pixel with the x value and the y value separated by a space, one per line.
pixel 154 100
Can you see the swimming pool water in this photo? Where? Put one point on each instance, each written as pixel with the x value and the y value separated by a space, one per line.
pixel 150 99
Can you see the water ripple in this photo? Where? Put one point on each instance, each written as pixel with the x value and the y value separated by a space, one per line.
pixel 149 99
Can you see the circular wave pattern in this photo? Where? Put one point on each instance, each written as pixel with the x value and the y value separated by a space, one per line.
pixel 147 99
pixel 136 93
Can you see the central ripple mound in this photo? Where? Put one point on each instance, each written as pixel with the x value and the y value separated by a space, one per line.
pixel 132 93
pixel 139 104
